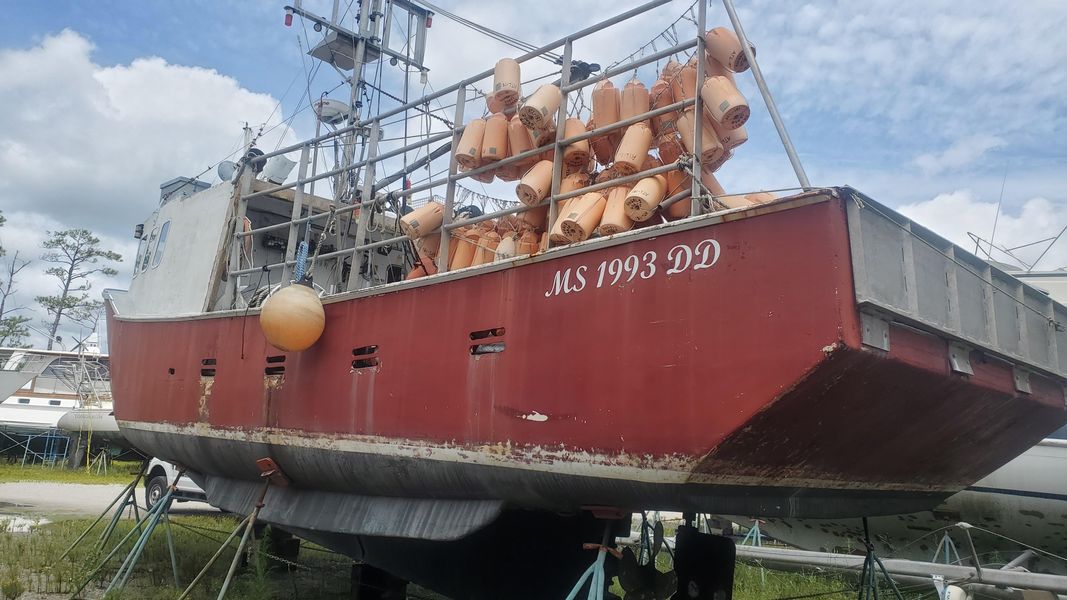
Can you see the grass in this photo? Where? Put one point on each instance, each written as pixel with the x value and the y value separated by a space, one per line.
pixel 117 472
pixel 28 563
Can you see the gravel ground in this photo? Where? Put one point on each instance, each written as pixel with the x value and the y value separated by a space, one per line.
pixel 66 500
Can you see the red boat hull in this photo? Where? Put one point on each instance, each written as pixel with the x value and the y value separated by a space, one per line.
pixel 736 383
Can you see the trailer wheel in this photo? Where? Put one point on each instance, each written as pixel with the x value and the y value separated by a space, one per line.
pixel 156 488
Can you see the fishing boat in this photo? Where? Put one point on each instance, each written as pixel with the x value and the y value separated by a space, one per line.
pixel 468 423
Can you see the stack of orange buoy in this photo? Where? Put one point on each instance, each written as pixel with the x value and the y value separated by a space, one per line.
pixel 516 125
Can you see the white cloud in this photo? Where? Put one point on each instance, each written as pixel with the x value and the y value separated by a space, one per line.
pixel 85 145
pixel 955 214
pixel 961 153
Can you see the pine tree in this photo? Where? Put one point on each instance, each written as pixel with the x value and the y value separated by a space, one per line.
pixel 77 255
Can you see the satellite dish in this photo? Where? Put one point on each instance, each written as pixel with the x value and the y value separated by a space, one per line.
pixel 331 112
pixel 226 169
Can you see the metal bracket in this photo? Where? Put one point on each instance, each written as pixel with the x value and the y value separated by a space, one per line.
pixel 959 356
pixel 1022 379
pixel 875 331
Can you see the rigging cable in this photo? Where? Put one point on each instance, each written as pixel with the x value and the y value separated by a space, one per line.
pixel 500 37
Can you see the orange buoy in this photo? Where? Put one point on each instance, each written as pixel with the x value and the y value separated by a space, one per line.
pixel 574 181
pixel 615 219
pixel 430 245
pixel 669 147
pixel 634 100
pixel 486 248
pixel 713 166
pixel 454 243
pixel 541 106
pixel 710 148
pixel 426 266
pixel 723 45
pixel 582 216
pixel 422 220
pixel 507 81
pixel 535 184
pixel 510 172
pixel 633 149
pixel 545 135
pixel 670 70
pixel 528 243
pixel 677 182
pixel 485 176
pixel 469 150
pixel 607 175
pixel 724 103
pixel 641 201
pixel 556 234
pixel 602 146
pixel 573 169
pixel 714 68
pixel 575 154
pixel 520 140
pixel 760 197
pixel 495 106
pixel 684 83
pixel 729 138
pixel 495 139
pixel 712 184
pixel 606 103
pixel 416 272
pixel 662 95
pixel 466 247
pixel 536 217
pixel 292 319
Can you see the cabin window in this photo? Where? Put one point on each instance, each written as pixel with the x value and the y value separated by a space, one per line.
pixel 161 244
pixel 142 247
pixel 24 400
pixel 148 249
pixel 53 403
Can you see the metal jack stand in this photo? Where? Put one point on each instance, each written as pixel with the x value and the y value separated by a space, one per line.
pixel 127 498
pixel 868 588
pixel 270 472
pixel 755 538
pixel 145 527
pixel 950 549
pixel 595 573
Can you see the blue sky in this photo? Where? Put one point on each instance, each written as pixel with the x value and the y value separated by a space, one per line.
pixel 925 106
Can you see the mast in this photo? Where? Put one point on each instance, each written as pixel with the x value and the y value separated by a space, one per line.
pixel 348 50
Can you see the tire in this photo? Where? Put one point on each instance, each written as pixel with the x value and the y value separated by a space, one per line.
pixel 156 489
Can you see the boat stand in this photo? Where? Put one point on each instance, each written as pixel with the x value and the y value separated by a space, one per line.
pixel 949 549
pixel 270 473
pixel 868 587
pixel 595 573
pixel 127 498
pixel 146 526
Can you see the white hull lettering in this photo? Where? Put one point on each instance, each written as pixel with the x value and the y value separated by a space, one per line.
pixel 619 271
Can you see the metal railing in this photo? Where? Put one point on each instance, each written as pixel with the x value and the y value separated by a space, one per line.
pixel 690 162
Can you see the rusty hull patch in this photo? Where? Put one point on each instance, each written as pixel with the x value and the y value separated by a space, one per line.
pixel 207 385
pixel 872 420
